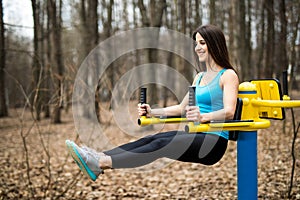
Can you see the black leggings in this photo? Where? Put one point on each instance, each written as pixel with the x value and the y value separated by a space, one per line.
pixel 202 148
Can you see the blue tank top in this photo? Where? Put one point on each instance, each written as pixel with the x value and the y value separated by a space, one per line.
pixel 209 98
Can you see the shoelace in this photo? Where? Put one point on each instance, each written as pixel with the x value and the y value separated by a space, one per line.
pixel 90 152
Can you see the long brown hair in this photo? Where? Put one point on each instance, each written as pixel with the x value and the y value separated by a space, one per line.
pixel 216 44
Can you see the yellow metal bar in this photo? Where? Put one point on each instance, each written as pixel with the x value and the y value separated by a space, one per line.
pixel 144 121
pixel 276 103
pixel 230 126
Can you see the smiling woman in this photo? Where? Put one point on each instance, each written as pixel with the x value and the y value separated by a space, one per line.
pixel 216 94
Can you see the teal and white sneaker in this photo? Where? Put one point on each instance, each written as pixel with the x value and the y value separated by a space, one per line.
pixel 91 151
pixel 87 161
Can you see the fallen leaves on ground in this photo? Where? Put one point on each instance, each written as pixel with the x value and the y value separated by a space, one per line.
pixel 46 171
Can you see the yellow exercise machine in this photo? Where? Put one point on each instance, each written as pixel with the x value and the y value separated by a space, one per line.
pixel 258 101
pixel 261 100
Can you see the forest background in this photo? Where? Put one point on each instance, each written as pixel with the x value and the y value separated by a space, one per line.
pixel 37 73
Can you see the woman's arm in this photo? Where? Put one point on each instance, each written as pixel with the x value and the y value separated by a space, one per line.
pixel 176 110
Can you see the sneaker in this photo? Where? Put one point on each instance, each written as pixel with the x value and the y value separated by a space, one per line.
pixel 91 151
pixel 86 160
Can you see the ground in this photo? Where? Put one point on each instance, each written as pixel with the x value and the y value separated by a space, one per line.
pixel 36 165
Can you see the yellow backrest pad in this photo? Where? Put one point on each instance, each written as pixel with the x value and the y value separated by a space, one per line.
pixel 269 90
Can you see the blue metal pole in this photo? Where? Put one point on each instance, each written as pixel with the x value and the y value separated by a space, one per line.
pixel 247 165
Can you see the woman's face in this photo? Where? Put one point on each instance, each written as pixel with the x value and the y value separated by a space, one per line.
pixel 201 48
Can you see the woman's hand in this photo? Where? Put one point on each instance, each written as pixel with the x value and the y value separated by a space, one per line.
pixel 144 110
pixel 193 114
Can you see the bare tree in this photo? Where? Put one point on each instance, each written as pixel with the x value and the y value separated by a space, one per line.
pixel 232 23
pixel 36 64
pixel 294 49
pixel 282 49
pixel 125 15
pixel 182 64
pixel 245 39
pixel 269 66
pixel 3 95
pixel 47 48
pixel 107 32
pixel 198 12
pixel 212 11
pixel 56 54
pixel 107 21
pixel 89 25
pixel 152 17
pixel 260 39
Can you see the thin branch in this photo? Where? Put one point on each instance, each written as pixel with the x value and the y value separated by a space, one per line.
pixel 23 136
pixel 20 51
pixel 295 132
pixel 18 26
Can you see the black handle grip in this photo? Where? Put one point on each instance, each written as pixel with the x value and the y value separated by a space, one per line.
pixel 143 95
pixel 285 83
pixel 192 99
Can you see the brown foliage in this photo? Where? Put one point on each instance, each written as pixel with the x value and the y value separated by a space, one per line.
pixel 54 175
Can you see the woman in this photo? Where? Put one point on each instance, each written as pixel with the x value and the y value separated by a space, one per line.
pixel 216 94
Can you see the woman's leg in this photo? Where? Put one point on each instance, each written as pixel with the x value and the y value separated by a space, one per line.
pixel 199 148
pixel 106 160
pixel 210 151
pixel 131 146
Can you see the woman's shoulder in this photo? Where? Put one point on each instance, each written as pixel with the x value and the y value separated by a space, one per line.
pixel 229 75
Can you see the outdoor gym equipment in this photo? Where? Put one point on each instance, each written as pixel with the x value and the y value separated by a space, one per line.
pixel 258 101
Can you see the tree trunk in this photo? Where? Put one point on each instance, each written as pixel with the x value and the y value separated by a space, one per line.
pixel 43 36
pixel 233 33
pixel 269 68
pixel 248 42
pixel 199 14
pixel 183 16
pixel 156 10
pixel 125 15
pixel 260 39
pixel 212 11
pixel 93 19
pixel 186 72
pixel 36 64
pixel 282 49
pixel 55 18
pixel 48 64
pixel 242 39
pixel 295 64
pixel 145 18
pixel 3 95
pixel 90 37
pixel 107 33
